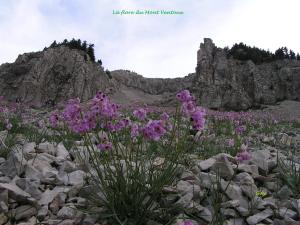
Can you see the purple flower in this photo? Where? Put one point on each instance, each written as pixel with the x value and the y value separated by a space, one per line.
pixel 8 126
pixel 126 121
pixel 243 156
pixel 101 106
pixel 164 116
pixel 79 127
pixel 229 142
pixel 240 129
pixel 153 130
pixel 134 130
pixel 54 117
pixel 105 146
pixel 72 110
pixel 188 108
pixel 184 96
pixel 198 119
pixel 82 124
pixel 141 113
pixel 110 126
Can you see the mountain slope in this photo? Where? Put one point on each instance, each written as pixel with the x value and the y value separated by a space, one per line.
pixel 220 82
pixel 51 76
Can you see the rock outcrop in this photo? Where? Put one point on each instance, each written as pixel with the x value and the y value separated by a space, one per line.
pixel 51 76
pixel 223 83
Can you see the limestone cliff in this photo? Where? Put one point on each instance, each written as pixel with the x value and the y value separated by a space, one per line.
pixel 226 83
pixel 52 75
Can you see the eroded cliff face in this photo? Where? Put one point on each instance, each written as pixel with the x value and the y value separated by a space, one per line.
pixel 52 75
pixel 230 84
pixel 153 86
pixel 132 87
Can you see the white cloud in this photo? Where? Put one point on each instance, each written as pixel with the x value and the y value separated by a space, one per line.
pixel 267 24
pixel 160 46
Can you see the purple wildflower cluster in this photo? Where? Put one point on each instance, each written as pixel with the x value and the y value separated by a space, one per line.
pixel 250 117
pixel 105 146
pixel 103 114
pixel 118 125
pixel 243 156
pixel 77 120
pixel 154 129
pixel 189 109
pixel 240 129
pixel 101 106
pixel 140 114
pixel 185 96
pixel 81 120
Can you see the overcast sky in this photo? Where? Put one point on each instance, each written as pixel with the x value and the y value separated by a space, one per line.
pixel 151 45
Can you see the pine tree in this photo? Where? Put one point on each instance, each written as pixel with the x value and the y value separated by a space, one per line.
pixel 286 52
pixel 90 52
pixel 78 44
pixel 84 46
pixel 72 44
pixel 279 54
pixel 298 56
pixel 53 45
pixel 108 73
pixel 292 54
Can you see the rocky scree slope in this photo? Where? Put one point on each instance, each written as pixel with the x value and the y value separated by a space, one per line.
pixel 51 76
pixel 43 183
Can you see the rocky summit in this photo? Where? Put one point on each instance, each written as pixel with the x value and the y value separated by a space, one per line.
pixel 223 83
pixel 51 76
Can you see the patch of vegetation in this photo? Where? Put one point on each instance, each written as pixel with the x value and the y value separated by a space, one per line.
pixel 108 73
pixel 244 52
pixel 290 173
pixel 77 44
pixel 6 144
